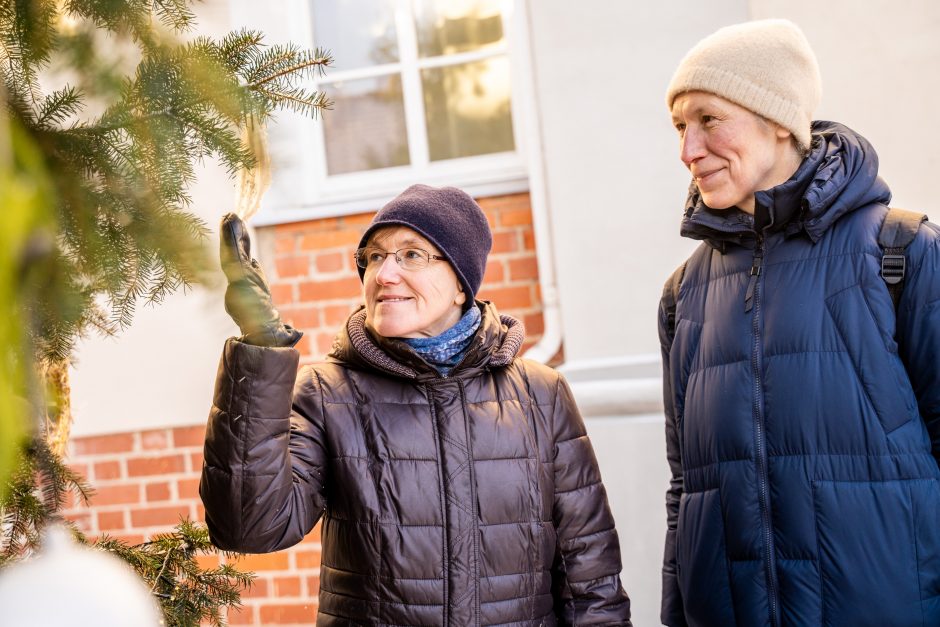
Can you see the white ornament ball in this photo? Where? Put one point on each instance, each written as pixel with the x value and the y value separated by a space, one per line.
pixel 67 584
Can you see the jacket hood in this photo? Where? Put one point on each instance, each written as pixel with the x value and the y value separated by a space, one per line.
pixel 497 342
pixel 838 176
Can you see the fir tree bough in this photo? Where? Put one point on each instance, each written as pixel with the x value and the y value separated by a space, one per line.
pixel 133 109
pixel 187 592
pixel 37 492
pixel 108 106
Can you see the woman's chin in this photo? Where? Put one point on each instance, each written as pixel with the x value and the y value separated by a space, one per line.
pixel 716 202
pixel 387 327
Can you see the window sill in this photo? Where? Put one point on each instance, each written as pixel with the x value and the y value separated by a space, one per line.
pixel 360 193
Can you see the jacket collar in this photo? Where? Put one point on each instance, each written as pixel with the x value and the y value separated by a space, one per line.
pixel 838 176
pixel 497 342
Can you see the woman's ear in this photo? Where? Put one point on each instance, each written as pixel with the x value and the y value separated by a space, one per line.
pixel 461 297
pixel 783 133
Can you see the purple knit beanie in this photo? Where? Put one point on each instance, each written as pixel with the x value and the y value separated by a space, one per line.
pixel 450 219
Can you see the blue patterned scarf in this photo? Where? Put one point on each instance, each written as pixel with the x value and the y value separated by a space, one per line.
pixel 445 351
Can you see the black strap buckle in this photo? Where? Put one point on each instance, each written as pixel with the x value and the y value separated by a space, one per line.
pixel 892 268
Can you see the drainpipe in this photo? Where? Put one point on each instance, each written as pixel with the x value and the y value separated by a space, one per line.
pixel 524 68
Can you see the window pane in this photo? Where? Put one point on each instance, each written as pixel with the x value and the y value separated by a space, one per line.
pixel 359 33
pixel 366 128
pixel 467 108
pixel 450 26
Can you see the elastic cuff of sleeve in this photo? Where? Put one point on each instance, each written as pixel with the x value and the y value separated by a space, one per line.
pixel 281 336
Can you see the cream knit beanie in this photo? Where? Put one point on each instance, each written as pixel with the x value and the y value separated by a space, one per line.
pixel 765 66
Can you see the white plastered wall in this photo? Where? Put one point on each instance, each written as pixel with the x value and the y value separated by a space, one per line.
pixel 160 371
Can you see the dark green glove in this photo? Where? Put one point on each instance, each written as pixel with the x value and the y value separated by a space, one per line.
pixel 248 297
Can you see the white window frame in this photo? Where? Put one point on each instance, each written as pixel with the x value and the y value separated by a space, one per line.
pixel 301 188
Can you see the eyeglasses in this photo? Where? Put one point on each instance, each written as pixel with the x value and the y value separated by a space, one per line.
pixel 407 258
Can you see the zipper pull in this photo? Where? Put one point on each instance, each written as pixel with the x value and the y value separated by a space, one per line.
pixel 755 272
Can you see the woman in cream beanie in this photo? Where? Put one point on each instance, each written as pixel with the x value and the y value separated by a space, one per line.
pixel 802 403
pixel 765 66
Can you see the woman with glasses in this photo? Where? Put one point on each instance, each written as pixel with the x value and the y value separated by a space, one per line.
pixel 454 479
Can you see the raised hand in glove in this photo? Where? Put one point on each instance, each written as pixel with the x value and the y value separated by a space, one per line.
pixel 248 297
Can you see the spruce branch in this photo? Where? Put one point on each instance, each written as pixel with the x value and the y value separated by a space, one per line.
pixel 113 148
pixel 236 48
pixel 175 14
pixel 37 493
pixel 299 100
pixel 58 107
pixel 187 592
pixel 290 70
pixel 182 103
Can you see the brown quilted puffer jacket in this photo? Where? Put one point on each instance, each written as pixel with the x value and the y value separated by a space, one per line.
pixel 472 499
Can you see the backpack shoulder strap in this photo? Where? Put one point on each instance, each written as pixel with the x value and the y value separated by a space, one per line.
pixel 671 298
pixel 897 231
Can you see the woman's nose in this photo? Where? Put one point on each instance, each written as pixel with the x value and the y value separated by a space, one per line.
pixel 691 146
pixel 389 271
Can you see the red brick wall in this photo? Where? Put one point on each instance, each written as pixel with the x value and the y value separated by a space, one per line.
pixel 147 480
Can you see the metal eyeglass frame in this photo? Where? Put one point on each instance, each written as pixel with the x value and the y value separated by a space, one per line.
pixel 360 257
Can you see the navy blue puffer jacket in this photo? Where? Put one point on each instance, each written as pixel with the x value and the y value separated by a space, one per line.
pixel 802 413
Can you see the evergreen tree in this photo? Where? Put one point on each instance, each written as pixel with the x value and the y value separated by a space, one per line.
pixel 120 176
pixel 107 112
pixel 187 593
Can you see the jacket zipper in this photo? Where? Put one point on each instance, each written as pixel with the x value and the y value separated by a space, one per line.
pixel 755 273
pixel 474 506
pixel 752 301
pixel 440 455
